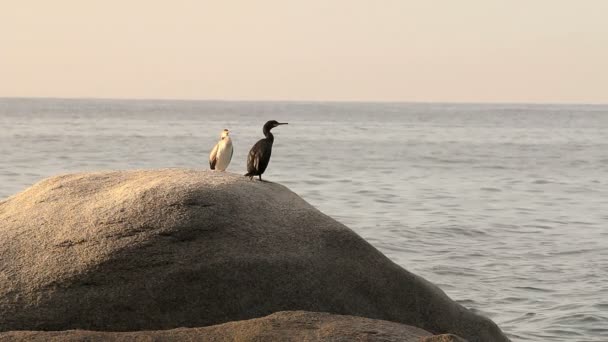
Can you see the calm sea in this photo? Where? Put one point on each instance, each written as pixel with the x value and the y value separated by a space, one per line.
pixel 505 207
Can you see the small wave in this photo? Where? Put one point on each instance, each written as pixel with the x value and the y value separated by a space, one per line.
pixel 582 223
pixel 455 271
pixel 522 318
pixel 537 226
pixel 466 302
pixel 579 162
pixel 535 289
pixel 601 306
pixel 567 307
pixel 563 332
pixel 576 319
pixel 313 182
pixel 440 197
pixel 379 200
pixel 492 167
pixel 552 221
pixel 505 225
pixel 450 161
pixel 598 330
pixel 467 231
pixel 575 251
pixel 322 176
pixel 516 300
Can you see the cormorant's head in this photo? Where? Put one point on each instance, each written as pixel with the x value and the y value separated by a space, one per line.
pixel 272 124
pixel 225 133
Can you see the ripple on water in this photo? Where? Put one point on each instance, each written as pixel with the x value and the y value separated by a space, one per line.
pixel 601 306
pixel 564 332
pixel 540 226
pixel 455 271
pixel 576 319
pixel 466 231
pixel 522 318
pixel 492 167
pixel 576 251
pixel 466 302
pixel 323 176
pixel 313 182
pixel 385 201
pixel 534 289
pixel 10 174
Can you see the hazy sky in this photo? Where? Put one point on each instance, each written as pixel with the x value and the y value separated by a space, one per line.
pixel 363 50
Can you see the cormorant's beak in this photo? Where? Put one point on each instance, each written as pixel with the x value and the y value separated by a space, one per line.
pixel 282 123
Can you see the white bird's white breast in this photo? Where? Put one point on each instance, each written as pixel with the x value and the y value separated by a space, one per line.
pixel 224 154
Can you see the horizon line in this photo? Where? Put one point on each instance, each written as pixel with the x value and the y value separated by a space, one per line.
pixel 82 98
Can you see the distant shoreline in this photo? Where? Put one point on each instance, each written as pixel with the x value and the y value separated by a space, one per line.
pixel 329 102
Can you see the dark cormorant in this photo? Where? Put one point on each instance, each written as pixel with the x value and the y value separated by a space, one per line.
pixel 259 155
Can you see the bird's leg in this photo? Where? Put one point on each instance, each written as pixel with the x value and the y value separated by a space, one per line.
pixel 260 178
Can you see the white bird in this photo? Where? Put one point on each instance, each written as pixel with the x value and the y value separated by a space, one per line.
pixel 220 156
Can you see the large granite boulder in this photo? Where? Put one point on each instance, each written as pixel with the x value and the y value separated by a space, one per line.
pixel 161 249
pixel 285 326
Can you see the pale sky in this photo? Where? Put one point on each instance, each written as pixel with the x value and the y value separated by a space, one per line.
pixel 345 50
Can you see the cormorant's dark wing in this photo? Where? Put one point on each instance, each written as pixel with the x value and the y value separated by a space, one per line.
pixel 258 157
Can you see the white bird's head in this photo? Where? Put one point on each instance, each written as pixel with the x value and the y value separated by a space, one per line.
pixel 225 133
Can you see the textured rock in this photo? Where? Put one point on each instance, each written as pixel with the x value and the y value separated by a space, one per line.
pixel 161 249
pixel 296 326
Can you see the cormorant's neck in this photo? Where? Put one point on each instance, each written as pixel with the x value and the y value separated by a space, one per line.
pixel 268 135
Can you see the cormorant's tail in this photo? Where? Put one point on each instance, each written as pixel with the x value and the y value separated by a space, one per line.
pixel 248 174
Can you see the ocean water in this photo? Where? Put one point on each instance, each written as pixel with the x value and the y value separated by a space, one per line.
pixel 505 207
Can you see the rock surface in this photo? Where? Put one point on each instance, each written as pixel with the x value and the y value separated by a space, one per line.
pixel 296 326
pixel 161 249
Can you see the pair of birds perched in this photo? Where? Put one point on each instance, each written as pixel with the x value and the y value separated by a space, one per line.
pixel 257 159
